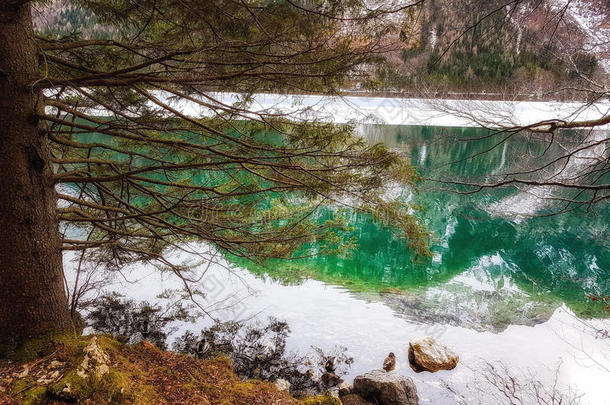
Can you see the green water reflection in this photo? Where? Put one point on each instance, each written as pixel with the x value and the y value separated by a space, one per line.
pixel 490 261
pixel 512 259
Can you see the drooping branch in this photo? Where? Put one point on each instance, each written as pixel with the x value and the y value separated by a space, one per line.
pixel 139 175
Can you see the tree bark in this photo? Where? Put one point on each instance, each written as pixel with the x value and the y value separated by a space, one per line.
pixel 32 297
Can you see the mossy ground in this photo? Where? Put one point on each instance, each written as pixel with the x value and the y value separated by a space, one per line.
pixel 139 374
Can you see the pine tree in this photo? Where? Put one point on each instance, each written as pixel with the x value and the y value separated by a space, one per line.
pixel 94 139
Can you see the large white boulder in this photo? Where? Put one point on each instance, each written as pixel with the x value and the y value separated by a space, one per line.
pixel 426 354
pixel 385 388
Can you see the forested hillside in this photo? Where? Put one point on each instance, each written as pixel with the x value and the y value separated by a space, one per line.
pixel 64 18
pixel 527 46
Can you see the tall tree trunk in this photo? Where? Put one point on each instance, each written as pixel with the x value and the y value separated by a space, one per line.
pixel 32 297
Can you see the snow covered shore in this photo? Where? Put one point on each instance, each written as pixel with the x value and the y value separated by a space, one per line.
pixel 410 111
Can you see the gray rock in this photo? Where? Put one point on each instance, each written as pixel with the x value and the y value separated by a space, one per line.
pixel 426 354
pixel 331 379
pixel 386 388
pixel 344 389
pixel 282 384
pixel 95 362
pixel 353 399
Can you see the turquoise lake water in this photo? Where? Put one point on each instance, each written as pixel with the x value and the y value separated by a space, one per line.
pixel 499 258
